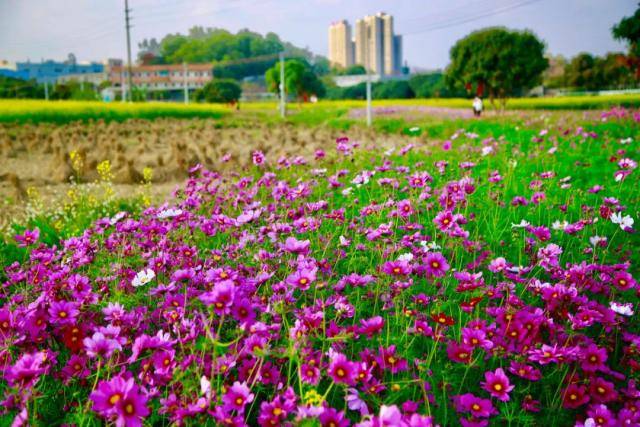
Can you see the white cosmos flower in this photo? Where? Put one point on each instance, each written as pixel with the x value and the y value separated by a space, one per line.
pixel 117 217
pixel 623 309
pixel 557 225
pixel 429 246
pixel 524 223
pixel 406 257
pixel 169 213
pixel 347 191
pixel 594 240
pixel 623 221
pixel 143 277
pixel 205 387
pixel 487 150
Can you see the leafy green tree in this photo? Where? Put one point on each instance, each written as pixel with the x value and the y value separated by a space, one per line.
pixel 497 61
pixel 299 80
pixel 628 29
pixel 355 70
pixel 395 89
pixel 580 72
pixel 613 71
pixel 433 85
pixel 220 90
pixel 17 88
pixel 235 56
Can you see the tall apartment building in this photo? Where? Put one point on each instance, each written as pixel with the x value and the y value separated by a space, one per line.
pixel 397 53
pixel 375 45
pixel 341 44
pixel 359 47
pixel 388 45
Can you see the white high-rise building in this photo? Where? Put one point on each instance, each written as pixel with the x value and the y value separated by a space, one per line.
pixel 375 45
pixel 340 44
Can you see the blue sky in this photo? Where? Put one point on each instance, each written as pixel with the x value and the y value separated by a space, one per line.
pixel 94 29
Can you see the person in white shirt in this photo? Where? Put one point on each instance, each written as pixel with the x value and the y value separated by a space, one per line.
pixel 477 106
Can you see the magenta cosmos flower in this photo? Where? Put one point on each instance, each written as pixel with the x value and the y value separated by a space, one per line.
pixel 237 397
pixel 221 298
pixel 340 369
pixel 436 264
pixel 120 400
pixel 497 384
pixel 28 238
pixel 396 268
pixel 477 407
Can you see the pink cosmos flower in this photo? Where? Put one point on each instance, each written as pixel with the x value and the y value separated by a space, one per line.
pixel 257 157
pixel 497 384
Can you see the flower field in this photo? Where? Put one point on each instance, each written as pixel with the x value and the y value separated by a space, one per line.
pixel 485 278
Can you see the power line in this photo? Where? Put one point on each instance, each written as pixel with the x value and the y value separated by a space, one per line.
pixel 447 14
pixel 459 21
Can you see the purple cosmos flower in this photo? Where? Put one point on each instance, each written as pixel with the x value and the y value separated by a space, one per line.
pixel 28 238
pixel 63 312
pixel 296 246
pixel 355 403
pixel 101 346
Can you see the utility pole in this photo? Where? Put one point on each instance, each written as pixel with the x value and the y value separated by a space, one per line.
pixel 184 83
pixel 127 20
pixel 283 110
pixel 122 86
pixel 46 90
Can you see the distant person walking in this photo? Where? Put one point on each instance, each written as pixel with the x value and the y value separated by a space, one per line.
pixel 477 106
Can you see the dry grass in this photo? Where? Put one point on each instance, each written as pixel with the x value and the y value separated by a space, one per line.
pixel 39 155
